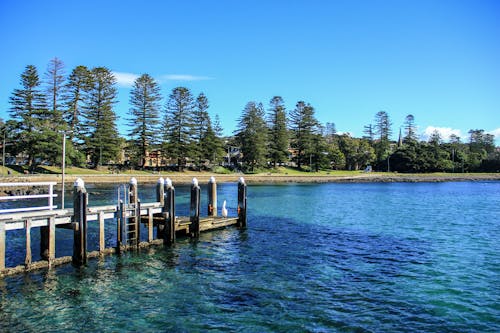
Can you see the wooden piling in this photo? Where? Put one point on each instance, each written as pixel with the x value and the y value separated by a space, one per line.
pixel 160 197
pixel 169 213
pixel 52 240
pixel 120 218
pixel 242 203
pixel 102 244
pixel 194 209
pixel 80 223
pixel 2 246
pixel 212 197
pixel 27 260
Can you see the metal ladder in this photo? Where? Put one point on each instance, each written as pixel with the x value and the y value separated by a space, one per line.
pixel 128 214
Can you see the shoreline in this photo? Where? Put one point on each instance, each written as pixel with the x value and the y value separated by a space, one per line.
pixel 186 178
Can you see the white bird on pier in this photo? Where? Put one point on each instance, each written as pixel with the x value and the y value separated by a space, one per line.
pixel 224 209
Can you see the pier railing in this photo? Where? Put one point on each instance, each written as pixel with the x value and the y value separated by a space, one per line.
pixel 49 195
pixel 128 216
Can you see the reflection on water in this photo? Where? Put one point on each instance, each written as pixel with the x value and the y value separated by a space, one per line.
pixel 322 257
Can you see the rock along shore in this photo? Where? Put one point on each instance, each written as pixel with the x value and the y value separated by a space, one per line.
pixel 186 178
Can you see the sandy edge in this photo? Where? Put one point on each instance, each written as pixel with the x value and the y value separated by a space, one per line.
pixel 260 178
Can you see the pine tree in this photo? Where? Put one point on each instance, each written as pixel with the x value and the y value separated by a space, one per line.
pixel 201 122
pixel 383 126
pixel 29 110
pixel 55 80
pixel 99 123
pixel 76 87
pixel 382 129
pixel 410 128
pixel 369 133
pixel 179 125
pixel 278 133
pixel 303 125
pixel 251 135
pixel 144 115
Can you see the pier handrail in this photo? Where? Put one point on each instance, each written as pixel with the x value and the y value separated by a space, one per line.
pixel 50 196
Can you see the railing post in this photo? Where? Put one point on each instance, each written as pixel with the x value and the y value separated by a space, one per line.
pixel 194 209
pixel 212 197
pixel 80 223
pixel 134 201
pixel 169 214
pixel 242 203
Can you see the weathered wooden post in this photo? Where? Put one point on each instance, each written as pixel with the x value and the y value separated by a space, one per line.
pixel 169 214
pixel 27 226
pixel 242 203
pixel 2 246
pixel 120 221
pixel 160 197
pixel 79 223
pixel 133 228
pixel 194 209
pixel 212 197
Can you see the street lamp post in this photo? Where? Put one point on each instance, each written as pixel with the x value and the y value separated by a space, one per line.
pixel 63 168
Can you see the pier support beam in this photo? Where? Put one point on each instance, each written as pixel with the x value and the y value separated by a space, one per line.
pixel 169 213
pixel 242 203
pixel 2 246
pixel 194 209
pixel 27 226
pixel 80 223
pixel 160 197
pixel 212 197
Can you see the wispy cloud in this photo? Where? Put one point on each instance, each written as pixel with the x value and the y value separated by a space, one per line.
pixel 495 133
pixel 445 132
pixel 125 79
pixel 184 77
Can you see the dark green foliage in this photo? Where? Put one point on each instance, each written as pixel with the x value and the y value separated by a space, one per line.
pixel 278 133
pixel 179 126
pixel 78 83
pixel 357 152
pixel 144 115
pixel 35 133
pixel 99 119
pixel 251 135
pixel 304 126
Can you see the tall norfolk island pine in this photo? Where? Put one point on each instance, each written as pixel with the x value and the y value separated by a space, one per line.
pixel 179 125
pixel 144 122
pixel 278 133
pixel 30 110
pixel 99 123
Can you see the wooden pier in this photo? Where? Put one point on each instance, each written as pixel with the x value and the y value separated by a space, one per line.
pixel 127 216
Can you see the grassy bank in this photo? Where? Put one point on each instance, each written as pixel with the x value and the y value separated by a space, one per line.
pixel 280 175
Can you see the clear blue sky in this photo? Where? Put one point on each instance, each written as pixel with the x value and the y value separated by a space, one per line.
pixel 438 60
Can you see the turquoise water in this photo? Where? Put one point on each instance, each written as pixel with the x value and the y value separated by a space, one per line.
pixel 395 257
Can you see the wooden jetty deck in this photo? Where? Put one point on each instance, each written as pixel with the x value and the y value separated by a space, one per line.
pixel 127 216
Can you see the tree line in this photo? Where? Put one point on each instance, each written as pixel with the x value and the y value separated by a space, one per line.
pixel 80 106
